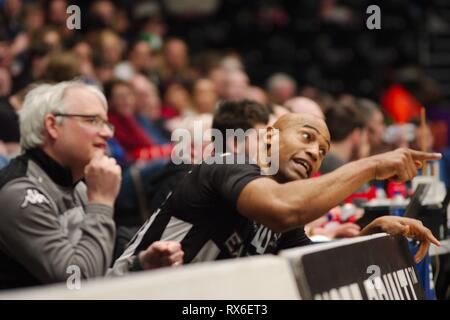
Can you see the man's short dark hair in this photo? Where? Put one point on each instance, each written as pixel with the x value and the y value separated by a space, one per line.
pixel 243 114
pixel 342 119
pixel 367 108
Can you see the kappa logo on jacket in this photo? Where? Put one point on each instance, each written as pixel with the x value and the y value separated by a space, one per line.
pixel 33 196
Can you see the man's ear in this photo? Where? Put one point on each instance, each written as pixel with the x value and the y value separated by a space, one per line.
pixel 50 126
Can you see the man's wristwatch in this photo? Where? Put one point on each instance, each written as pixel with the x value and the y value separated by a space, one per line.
pixel 134 264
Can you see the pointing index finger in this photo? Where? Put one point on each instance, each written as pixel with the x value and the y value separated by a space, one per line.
pixel 420 155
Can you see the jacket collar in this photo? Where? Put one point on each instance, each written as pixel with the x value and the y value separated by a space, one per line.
pixel 59 174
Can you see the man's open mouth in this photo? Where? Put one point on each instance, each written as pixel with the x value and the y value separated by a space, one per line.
pixel 305 164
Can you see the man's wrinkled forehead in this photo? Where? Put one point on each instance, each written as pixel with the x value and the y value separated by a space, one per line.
pixel 294 121
pixel 83 100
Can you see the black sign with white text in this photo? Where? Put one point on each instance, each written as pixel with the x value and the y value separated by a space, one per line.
pixel 377 269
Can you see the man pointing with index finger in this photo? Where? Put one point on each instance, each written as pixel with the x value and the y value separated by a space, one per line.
pixel 230 210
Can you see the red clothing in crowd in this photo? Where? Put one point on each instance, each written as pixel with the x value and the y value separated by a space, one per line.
pixel 135 141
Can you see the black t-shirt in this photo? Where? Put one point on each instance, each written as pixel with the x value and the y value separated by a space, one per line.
pixel 201 214
pixel 160 186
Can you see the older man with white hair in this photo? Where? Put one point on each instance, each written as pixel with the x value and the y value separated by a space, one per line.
pixel 53 224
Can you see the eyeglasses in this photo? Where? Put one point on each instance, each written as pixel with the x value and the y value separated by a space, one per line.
pixel 93 119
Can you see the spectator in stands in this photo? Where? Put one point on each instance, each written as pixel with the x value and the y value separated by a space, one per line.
pixel 105 11
pixel 109 47
pixel 12 14
pixel 231 210
pixel 5 82
pixel 51 218
pixel 257 94
pixel 176 65
pixel 104 71
pixel 177 105
pixel 148 109
pixel 375 124
pixel 5 51
pixel 236 84
pixel 57 14
pixel 154 27
pixel 204 96
pixel 83 51
pixel 62 66
pixel 324 99
pixel 38 62
pixel 281 87
pixel 348 136
pixel 304 105
pixel 34 17
pixel 49 37
pixel 138 145
pixel 139 61
pixel 218 75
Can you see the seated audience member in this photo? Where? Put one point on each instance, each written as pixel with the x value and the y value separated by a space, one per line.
pixel 109 47
pixel 217 74
pixel 57 197
pixel 257 94
pixel 62 66
pixel 177 104
pixel 83 51
pixel 138 145
pixel 375 124
pixel 348 136
pixel 148 109
pixel 139 61
pixel 235 85
pixel 228 210
pixel 204 96
pixel 176 65
pixel 281 87
pixel 304 105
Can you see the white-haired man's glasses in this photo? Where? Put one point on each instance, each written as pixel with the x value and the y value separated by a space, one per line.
pixel 93 119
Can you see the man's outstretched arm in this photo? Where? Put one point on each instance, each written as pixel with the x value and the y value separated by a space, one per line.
pixel 281 207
